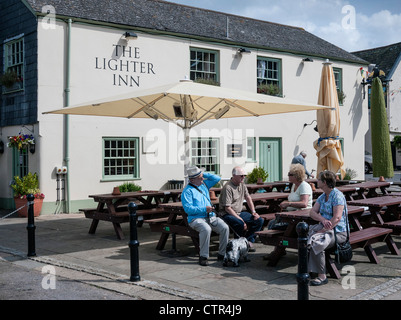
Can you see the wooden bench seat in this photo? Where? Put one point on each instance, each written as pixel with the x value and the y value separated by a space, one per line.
pixel 119 217
pixel 393 225
pixel 269 233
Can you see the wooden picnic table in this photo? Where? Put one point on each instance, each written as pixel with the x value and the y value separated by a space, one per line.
pixel 347 190
pixel 288 238
pixel 368 189
pixel 114 207
pixel 384 211
pixel 268 186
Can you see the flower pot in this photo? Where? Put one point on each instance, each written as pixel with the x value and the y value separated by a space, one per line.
pixel 37 206
pixel 260 181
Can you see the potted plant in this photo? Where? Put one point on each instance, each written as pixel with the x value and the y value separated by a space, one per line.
pixel 269 89
pixel 258 175
pixel 29 184
pixel 9 78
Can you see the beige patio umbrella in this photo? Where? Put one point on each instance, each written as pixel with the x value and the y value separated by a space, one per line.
pixel 328 147
pixel 187 104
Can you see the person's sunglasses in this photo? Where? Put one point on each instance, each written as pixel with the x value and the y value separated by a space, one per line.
pixel 290 174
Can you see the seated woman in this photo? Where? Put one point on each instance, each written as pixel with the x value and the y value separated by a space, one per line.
pixel 300 196
pixel 330 210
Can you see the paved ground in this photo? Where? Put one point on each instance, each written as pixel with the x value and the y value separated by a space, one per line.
pixel 72 264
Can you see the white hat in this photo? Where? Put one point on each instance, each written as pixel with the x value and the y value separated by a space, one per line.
pixel 193 172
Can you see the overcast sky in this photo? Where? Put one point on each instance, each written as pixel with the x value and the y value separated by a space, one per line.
pixel 351 25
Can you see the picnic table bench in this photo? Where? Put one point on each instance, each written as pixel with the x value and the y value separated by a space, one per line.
pixel 114 207
pixel 359 237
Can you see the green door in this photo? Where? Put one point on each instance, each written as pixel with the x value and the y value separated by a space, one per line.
pixel 270 157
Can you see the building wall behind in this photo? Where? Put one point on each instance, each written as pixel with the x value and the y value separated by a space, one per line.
pixel 97 62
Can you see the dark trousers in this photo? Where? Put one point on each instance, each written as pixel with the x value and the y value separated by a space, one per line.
pixel 238 225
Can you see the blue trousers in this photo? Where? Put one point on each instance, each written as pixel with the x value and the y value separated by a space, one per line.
pixel 238 225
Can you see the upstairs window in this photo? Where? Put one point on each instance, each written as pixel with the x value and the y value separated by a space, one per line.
pixel 204 66
pixel 269 76
pixel 13 75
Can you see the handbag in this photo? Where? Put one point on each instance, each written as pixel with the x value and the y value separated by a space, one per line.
pixel 343 251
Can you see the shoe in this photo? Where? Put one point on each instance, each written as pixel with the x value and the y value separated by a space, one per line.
pixel 319 282
pixel 220 257
pixel 203 261
pixel 251 247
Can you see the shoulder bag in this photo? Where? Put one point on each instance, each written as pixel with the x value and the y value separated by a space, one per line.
pixel 343 251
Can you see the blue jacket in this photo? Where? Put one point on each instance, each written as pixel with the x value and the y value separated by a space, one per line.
pixel 195 202
pixel 300 159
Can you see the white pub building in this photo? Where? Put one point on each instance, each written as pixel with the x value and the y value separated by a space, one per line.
pixel 70 52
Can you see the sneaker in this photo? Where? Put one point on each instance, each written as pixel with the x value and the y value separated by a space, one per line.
pixel 203 261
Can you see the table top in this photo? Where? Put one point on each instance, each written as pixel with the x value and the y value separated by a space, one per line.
pixel 269 196
pixel 382 201
pixel 135 194
pixel 372 184
pixel 299 214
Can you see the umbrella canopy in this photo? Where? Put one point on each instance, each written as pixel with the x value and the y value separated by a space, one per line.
pixel 187 104
pixel 381 149
pixel 328 147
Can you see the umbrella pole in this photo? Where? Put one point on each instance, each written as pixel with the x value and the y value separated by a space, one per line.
pixel 186 155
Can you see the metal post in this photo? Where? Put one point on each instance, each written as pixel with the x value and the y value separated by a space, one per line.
pixel 31 226
pixel 133 243
pixel 303 275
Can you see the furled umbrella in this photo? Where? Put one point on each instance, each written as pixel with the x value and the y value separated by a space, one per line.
pixel 188 104
pixel 328 146
pixel 381 149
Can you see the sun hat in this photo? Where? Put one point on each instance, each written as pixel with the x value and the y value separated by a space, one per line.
pixel 193 172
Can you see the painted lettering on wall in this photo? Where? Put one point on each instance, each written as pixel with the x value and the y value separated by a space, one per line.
pixel 126 66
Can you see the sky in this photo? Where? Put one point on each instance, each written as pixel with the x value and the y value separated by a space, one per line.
pixel 351 25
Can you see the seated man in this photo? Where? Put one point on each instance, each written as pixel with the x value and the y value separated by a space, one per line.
pixel 231 202
pixel 201 217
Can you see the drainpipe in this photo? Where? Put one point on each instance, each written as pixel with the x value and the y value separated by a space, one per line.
pixel 66 119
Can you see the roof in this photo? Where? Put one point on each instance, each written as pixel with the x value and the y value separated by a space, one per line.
pixel 172 18
pixel 384 57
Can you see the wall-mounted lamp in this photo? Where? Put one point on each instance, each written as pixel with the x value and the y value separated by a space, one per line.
pixel 307 60
pixel 243 50
pixel 1 146
pixel 130 35
pixel 32 148
pixel 308 124
pixel 221 112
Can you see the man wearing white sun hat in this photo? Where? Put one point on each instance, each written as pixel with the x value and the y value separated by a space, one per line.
pixel 200 210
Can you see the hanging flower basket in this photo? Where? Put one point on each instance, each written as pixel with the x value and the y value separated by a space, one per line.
pixel 22 141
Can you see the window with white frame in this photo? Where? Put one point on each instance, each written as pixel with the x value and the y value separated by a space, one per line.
pixel 269 76
pixel 205 154
pixel 251 149
pixel 13 65
pixel 120 158
pixel 338 76
pixel 204 65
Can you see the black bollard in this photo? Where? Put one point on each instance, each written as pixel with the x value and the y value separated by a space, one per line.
pixel 303 274
pixel 133 243
pixel 31 226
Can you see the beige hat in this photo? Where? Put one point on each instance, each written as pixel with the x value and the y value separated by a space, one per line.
pixel 193 172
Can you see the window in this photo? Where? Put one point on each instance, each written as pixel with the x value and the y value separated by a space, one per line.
pixel 205 154
pixel 338 76
pixel 251 149
pixel 204 65
pixel 14 64
pixel 120 158
pixel 269 76
pixel 20 162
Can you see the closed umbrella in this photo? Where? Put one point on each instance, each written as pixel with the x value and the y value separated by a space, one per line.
pixel 381 149
pixel 328 146
pixel 188 104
